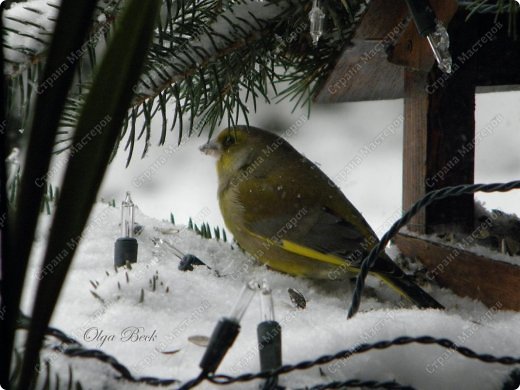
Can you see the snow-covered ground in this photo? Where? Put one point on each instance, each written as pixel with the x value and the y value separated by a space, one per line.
pixel 186 304
pixel 184 182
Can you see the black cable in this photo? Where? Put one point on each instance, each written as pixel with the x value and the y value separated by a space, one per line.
pixel 423 16
pixel 361 383
pixel 271 384
pixel 221 379
pixel 369 384
pixel 81 352
pixel 430 197
pixel 362 348
pixel 194 382
pixel 74 349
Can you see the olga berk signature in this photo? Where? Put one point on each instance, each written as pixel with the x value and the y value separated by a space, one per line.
pixel 134 334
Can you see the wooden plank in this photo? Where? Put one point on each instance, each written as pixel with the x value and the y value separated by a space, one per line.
pixel 439 129
pixel 380 17
pixel 415 145
pixel 466 274
pixel 363 73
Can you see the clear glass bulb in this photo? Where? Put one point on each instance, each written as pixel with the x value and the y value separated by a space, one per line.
pixel 244 299
pixel 316 17
pixel 127 217
pixel 266 302
pixel 439 41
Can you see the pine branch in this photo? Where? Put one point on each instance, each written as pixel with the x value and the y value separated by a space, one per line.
pixel 29 26
pixel 210 61
pixel 26 38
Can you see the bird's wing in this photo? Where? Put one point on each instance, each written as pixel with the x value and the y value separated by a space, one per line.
pixel 328 238
pixel 303 225
pixel 315 233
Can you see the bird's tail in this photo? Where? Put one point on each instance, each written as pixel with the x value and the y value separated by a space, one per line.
pixel 404 285
pixel 412 292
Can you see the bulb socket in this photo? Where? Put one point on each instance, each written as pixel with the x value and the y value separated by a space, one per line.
pixel 269 335
pixel 125 250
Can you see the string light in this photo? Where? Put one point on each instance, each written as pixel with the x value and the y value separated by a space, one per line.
pixel 428 26
pixel 316 17
pixel 125 249
pixel 269 334
pixel 227 329
pixel 439 41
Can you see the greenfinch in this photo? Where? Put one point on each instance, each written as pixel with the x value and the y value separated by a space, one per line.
pixel 284 211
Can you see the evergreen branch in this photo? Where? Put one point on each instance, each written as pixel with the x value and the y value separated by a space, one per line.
pixel 210 61
pixel 28 30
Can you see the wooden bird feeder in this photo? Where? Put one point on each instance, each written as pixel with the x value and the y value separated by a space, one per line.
pixel 388 59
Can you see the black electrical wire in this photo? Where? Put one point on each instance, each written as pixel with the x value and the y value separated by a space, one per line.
pixel 423 16
pixel 194 382
pixel 361 383
pixel 362 348
pixel 219 379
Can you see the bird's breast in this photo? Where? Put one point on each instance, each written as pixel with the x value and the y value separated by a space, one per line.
pixel 233 211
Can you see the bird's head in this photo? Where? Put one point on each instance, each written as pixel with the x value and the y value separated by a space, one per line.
pixel 237 147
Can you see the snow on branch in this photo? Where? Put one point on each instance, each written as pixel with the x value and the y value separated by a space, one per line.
pixel 230 30
pixel 28 29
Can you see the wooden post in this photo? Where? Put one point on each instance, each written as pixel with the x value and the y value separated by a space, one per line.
pixel 439 132
pixel 415 143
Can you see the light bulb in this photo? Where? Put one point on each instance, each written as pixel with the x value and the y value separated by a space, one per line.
pixel 227 329
pixel 439 41
pixel 125 248
pixel 266 302
pixel 127 216
pixel 269 333
pixel 248 292
pixel 316 17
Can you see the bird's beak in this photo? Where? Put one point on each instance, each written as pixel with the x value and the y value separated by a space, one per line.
pixel 212 148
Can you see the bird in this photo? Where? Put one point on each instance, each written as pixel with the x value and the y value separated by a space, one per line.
pixel 286 213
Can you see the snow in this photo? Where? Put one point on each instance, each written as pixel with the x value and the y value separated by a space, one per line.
pixel 28 29
pixel 497 158
pixel 472 247
pixel 197 299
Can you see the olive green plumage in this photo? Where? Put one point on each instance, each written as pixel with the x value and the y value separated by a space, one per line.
pixel 287 213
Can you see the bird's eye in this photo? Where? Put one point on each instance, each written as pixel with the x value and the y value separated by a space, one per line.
pixel 229 140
